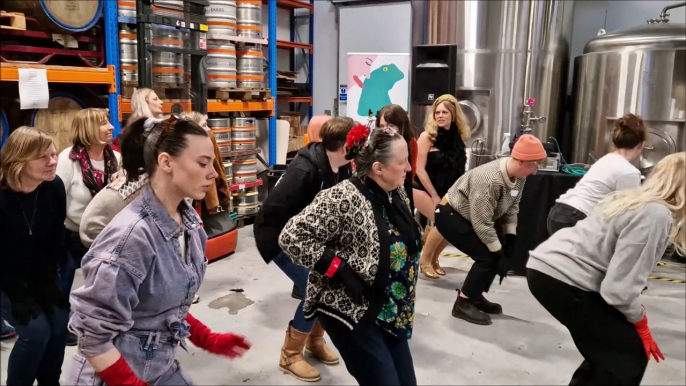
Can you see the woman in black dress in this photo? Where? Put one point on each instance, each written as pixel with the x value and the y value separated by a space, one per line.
pixel 441 160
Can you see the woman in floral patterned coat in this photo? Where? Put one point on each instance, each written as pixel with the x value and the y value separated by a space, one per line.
pixel 362 246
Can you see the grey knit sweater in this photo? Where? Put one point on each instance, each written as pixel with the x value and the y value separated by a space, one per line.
pixel 612 258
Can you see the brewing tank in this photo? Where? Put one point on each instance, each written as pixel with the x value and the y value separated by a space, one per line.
pixel 507 52
pixel 638 70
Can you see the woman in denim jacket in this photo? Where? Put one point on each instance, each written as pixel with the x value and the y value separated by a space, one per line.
pixel 144 268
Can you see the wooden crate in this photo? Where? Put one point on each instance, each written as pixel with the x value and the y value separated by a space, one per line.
pixel 239 94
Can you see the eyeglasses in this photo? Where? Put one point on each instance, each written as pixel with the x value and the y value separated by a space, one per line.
pixel 537 164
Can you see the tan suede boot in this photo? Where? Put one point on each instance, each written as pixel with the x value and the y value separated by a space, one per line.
pixel 316 346
pixel 292 361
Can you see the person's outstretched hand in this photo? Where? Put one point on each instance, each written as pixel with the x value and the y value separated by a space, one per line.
pixel 227 344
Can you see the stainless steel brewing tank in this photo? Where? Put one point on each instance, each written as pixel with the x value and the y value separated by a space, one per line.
pixel 496 42
pixel 638 70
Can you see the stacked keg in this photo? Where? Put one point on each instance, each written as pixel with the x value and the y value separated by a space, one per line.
pixel 167 67
pixel 221 17
pixel 126 8
pixel 221 64
pixel 246 202
pixel 128 53
pixel 243 134
pixel 221 128
pixel 249 16
pixel 250 72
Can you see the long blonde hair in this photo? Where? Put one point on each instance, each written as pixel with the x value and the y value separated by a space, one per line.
pixel 450 103
pixel 23 145
pixel 665 185
pixel 139 105
pixel 87 124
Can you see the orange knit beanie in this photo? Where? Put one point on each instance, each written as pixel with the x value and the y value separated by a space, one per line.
pixel 528 148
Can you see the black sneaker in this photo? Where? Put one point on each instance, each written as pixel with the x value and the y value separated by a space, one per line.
pixel 488 307
pixel 464 309
pixel 72 340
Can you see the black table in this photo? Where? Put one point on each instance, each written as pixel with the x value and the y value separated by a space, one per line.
pixel 539 195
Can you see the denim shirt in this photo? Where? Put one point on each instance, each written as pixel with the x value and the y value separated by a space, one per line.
pixel 135 278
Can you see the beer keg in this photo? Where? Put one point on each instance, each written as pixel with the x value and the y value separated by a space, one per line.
pixel 167 67
pixel 246 202
pixel 221 129
pixel 250 67
pixel 221 17
pixel 126 8
pixel 245 169
pixel 221 64
pixel 249 17
pixel 128 53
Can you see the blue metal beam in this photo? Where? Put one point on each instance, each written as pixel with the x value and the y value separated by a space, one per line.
pixel 271 11
pixel 112 59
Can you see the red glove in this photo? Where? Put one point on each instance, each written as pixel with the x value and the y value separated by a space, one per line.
pixel 120 374
pixel 647 338
pixel 228 345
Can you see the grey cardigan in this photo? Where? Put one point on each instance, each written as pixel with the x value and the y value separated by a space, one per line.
pixel 612 258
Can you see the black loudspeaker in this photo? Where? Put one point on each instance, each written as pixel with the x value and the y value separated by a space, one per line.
pixel 433 72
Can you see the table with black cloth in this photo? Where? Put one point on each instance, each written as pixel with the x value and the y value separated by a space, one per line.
pixel 539 195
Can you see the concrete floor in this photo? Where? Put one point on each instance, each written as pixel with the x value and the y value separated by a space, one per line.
pixel 523 346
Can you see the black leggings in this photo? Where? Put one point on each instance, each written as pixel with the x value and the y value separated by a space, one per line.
pixel 563 216
pixel 612 350
pixel 460 233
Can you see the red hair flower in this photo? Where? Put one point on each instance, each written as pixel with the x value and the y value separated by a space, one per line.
pixel 356 135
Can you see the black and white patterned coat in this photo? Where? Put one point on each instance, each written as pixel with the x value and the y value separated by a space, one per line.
pixel 342 220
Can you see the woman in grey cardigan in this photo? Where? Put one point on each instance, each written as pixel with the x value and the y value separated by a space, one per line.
pixel 362 247
pixel 590 276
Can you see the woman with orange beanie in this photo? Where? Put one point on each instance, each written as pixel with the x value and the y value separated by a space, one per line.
pixel 467 218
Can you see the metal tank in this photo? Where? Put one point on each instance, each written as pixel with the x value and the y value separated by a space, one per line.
pixel 638 70
pixel 507 52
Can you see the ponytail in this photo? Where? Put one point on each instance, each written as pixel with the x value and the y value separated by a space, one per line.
pixel 132 146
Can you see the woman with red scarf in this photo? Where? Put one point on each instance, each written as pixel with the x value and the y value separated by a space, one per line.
pixel 85 168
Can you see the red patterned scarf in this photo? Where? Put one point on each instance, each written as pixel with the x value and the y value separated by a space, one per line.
pixel 94 179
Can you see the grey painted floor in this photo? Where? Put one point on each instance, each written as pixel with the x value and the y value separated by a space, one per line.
pixel 523 346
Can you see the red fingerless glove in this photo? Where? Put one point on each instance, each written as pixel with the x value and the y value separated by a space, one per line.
pixel 228 345
pixel 647 338
pixel 120 374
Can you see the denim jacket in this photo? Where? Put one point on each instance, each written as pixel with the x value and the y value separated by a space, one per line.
pixel 135 278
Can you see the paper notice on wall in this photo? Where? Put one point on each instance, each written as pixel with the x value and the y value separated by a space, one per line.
pixel 33 88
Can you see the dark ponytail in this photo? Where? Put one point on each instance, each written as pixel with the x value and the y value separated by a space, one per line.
pixel 132 145
pixel 140 147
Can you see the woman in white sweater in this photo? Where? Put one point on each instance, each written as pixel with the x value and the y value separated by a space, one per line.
pixel 611 173
pixel 85 168
pixel 590 276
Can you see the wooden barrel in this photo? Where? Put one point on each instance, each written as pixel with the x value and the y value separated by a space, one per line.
pixel 59 15
pixel 4 128
pixel 58 117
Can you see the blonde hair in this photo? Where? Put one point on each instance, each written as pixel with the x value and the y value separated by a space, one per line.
pixel 194 116
pixel 87 124
pixel 139 105
pixel 450 103
pixel 664 185
pixel 23 145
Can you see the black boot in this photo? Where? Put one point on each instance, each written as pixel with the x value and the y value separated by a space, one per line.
pixel 296 293
pixel 464 309
pixel 488 307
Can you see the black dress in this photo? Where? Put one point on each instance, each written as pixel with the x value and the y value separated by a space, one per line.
pixel 447 164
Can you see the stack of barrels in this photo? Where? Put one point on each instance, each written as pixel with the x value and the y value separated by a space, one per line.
pixel 229 66
pixel 233 134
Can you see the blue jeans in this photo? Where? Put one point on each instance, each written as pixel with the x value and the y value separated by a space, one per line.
pixel 38 352
pixel 298 274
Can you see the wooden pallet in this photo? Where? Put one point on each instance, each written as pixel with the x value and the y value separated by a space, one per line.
pixel 16 20
pixel 239 94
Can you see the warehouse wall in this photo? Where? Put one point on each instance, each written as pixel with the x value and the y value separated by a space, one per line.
pixel 589 17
